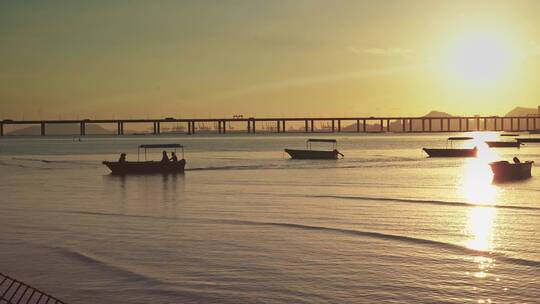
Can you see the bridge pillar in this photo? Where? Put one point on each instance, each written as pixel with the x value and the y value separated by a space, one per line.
pixel 224 127
pixel 1 129
pixel 381 125
pixel 358 126
pixel 82 128
pixel 333 126
pixel 312 126
pixel 410 125
pixel 42 129
pixel 423 125
pixel 339 125
pixel 467 125
pixel 364 125
pixel 519 124
pixel 534 123
pixel 511 124
pixel 430 125
pixel 403 121
pixel 278 124
pixel 485 124
pixel 388 125
pixel 527 125
pixel 283 126
pixel 306 126
pixel 460 124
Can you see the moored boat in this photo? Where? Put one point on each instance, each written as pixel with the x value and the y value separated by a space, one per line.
pixel 503 144
pixel 148 167
pixel 504 170
pixel 452 152
pixel 309 153
pixel 529 140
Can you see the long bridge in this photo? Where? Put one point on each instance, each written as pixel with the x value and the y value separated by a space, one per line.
pixel 304 125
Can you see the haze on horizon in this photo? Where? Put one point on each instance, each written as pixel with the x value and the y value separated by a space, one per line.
pixel 75 59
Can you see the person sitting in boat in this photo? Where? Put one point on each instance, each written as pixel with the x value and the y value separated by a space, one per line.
pixel 165 157
pixel 122 158
pixel 173 157
pixel 516 160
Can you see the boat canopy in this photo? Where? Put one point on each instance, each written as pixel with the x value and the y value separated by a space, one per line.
pixel 460 138
pixel 152 146
pixel 321 140
pixel 158 146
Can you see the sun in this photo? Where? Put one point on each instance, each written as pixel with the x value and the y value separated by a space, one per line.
pixel 479 58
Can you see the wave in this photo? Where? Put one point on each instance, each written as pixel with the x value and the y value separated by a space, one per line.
pixel 243 167
pixel 371 234
pixel 47 161
pixel 430 202
pixel 98 262
pixel 393 237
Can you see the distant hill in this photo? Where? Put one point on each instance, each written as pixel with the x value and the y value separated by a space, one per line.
pixel 61 129
pixel 520 111
pixel 438 114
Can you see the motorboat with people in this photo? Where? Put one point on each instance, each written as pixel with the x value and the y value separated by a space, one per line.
pixel 451 151
pixel 503 144
pixel 166 165
pixel 504 170
pixel 309 153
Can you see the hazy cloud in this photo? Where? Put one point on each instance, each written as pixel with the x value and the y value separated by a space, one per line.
pixel 397 51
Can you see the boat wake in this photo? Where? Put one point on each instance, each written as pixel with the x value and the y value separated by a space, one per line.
pixel 429 202
pixel 371 234
pixel 103 264
pixel 392 237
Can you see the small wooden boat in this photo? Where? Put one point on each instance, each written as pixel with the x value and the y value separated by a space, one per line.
pixel 503 144
pixel 148 167
pixel 504 170
pixel 452 152
pixel 529 140
pixel 309 153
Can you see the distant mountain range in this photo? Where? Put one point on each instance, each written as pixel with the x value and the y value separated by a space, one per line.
pixel 371 126
pixel 61 129
pixel 375 126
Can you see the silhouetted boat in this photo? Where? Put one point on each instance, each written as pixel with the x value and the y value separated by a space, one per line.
pixel 529 140
pixel 504 170
pixel 315 154
pixel 503 144
pixel 452 152
pixel 509 134
pixel 148 167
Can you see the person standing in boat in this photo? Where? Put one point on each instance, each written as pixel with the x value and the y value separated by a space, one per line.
pixel 122 158
pixel 165 157
pixel 174 159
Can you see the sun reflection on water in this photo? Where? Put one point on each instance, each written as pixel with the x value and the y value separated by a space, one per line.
pixel 480 228
pixel 476 187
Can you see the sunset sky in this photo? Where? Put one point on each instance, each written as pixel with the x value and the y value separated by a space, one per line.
pixel 98 59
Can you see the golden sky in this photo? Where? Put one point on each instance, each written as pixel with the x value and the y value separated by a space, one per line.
pixel 198 58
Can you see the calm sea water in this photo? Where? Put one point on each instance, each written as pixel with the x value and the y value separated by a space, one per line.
pixel 247 225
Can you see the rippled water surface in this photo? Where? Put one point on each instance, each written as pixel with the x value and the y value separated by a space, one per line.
pixel 245 224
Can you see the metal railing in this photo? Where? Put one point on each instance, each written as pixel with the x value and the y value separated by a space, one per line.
pixel 13 291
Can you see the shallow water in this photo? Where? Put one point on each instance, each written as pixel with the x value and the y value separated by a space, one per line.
pixel 245 224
